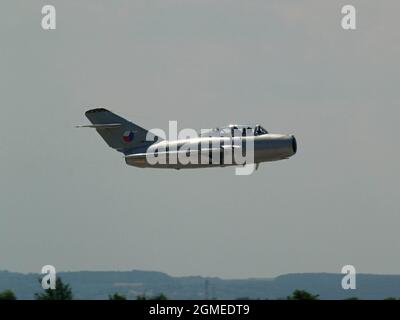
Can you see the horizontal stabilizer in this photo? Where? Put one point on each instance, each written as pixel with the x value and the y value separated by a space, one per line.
pixel 101 126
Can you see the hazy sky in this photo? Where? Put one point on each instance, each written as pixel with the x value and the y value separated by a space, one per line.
pixel 68 200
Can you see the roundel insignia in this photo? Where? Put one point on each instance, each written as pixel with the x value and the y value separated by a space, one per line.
pixel 127 136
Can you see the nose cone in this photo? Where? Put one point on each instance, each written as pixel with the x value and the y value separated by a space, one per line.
pixel 294 144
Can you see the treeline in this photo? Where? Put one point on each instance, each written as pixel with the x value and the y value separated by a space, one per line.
pixel 64 292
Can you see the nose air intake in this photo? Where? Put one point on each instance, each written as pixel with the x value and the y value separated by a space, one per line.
pixel 294 144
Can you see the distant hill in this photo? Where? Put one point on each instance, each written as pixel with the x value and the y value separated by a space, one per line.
pixel 99 284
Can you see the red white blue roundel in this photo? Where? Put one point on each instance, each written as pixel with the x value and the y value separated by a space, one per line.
pixel 127 136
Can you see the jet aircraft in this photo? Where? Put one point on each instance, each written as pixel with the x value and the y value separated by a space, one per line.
pixel 215 148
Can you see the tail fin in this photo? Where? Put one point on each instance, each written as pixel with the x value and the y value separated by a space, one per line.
pixel 117 132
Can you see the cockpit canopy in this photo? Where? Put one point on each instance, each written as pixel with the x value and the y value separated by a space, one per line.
pixel 235 129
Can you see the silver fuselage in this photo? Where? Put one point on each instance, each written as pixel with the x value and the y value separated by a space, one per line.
pixel 214 151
